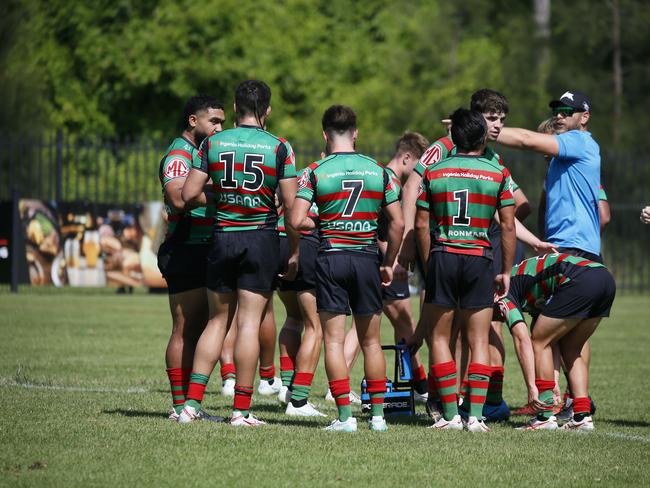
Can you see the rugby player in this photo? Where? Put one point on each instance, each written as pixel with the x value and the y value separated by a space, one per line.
pixel 299 356
pixel 397 304
pixel 572 294
pixel 183 252
pixel 350 190
pixel 459 198
pixel 246 165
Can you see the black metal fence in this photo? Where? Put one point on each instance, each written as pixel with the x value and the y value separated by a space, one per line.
pixel 125 170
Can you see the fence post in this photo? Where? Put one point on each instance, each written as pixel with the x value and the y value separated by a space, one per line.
pixel 59 165
pixel 15 230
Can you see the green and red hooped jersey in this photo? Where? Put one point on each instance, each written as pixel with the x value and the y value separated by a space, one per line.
pixel 382 224
pixel 602 196
pixel 461 194
pixel 312 214
pixel 349 190
pixel 535 280
pixel 195 226
pixel 445 148
pixel 245 164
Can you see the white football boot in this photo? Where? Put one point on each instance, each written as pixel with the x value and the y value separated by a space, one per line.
pixel 454 424
pixel 266 388
pixel 238 420
pixel 350 425
pixel 307 410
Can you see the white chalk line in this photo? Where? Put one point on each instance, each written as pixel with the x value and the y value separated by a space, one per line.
pixel 78 389
pixel 81 389
pixel 628 437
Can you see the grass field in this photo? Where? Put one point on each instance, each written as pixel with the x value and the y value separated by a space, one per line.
pixel 85 396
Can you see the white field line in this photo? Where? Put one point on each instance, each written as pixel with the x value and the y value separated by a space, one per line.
pixel 628 437
pixel 81 389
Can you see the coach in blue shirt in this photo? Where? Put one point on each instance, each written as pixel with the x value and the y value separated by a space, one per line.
pixel 573 179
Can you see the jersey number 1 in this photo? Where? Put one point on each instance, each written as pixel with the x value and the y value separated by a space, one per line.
pixel 461 218
pixel 354 187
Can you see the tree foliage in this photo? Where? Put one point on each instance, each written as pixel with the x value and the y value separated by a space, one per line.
pixel 126 66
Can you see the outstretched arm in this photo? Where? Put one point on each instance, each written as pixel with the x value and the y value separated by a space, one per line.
pixel 528 139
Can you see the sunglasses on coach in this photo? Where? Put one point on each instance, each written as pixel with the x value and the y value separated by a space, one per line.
pixel 565 111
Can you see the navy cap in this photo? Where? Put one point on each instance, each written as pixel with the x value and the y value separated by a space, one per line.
pixel 573 99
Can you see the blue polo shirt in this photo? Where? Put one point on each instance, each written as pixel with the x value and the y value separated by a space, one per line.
pixel 572 185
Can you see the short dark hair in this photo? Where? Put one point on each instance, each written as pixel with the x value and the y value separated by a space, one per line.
pixel 339 119
pixel 199 103
pixel 468 129
pixel 252 97
pixel 486 101
pixel 412 142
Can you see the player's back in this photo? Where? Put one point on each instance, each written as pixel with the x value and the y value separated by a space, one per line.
pixel 245 165
pixel 349 190
pixel 463 193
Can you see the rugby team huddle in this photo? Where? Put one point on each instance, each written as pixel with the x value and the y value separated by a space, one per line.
pixel 338 239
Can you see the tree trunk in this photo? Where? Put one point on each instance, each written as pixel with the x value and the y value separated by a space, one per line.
pixel 543 37
pixel 617 70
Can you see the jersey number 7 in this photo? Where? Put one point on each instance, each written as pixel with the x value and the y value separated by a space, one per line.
pixel 354 187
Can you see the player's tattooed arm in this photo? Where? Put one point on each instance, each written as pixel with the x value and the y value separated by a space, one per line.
pixel 174 198
pixel 528 139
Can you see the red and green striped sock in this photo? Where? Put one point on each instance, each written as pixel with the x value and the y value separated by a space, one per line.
pixel 267 373
pixel 581 408
pixel 228 371
pixel 479 379
pixel 179 379
pixel 376 389
pixel 300 388
pixel 242 401
pixel 445 375
pixel 196 390
pixel 495 388
pixel 341 392
pixel 545 393
pixel 287 369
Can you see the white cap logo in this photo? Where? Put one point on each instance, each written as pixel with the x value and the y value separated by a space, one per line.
pixel 568 95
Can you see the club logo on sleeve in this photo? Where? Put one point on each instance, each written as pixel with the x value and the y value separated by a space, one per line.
pixel 431 156
pixel 304 178
pixel 176 168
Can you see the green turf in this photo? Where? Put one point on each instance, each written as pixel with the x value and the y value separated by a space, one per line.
pixel 85 396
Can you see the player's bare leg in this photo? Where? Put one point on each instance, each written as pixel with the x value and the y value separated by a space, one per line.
pixel 495 408
pixel 307 357
pixel 208 349
pixel 477 327
pixel 289 340
pixel 189 311
pixel 439 323
pixel 546 333
pixel 572 348
pixel 374 366
pixel 227 360
pixel 251 312
pixel 351 350
pixel 269 384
